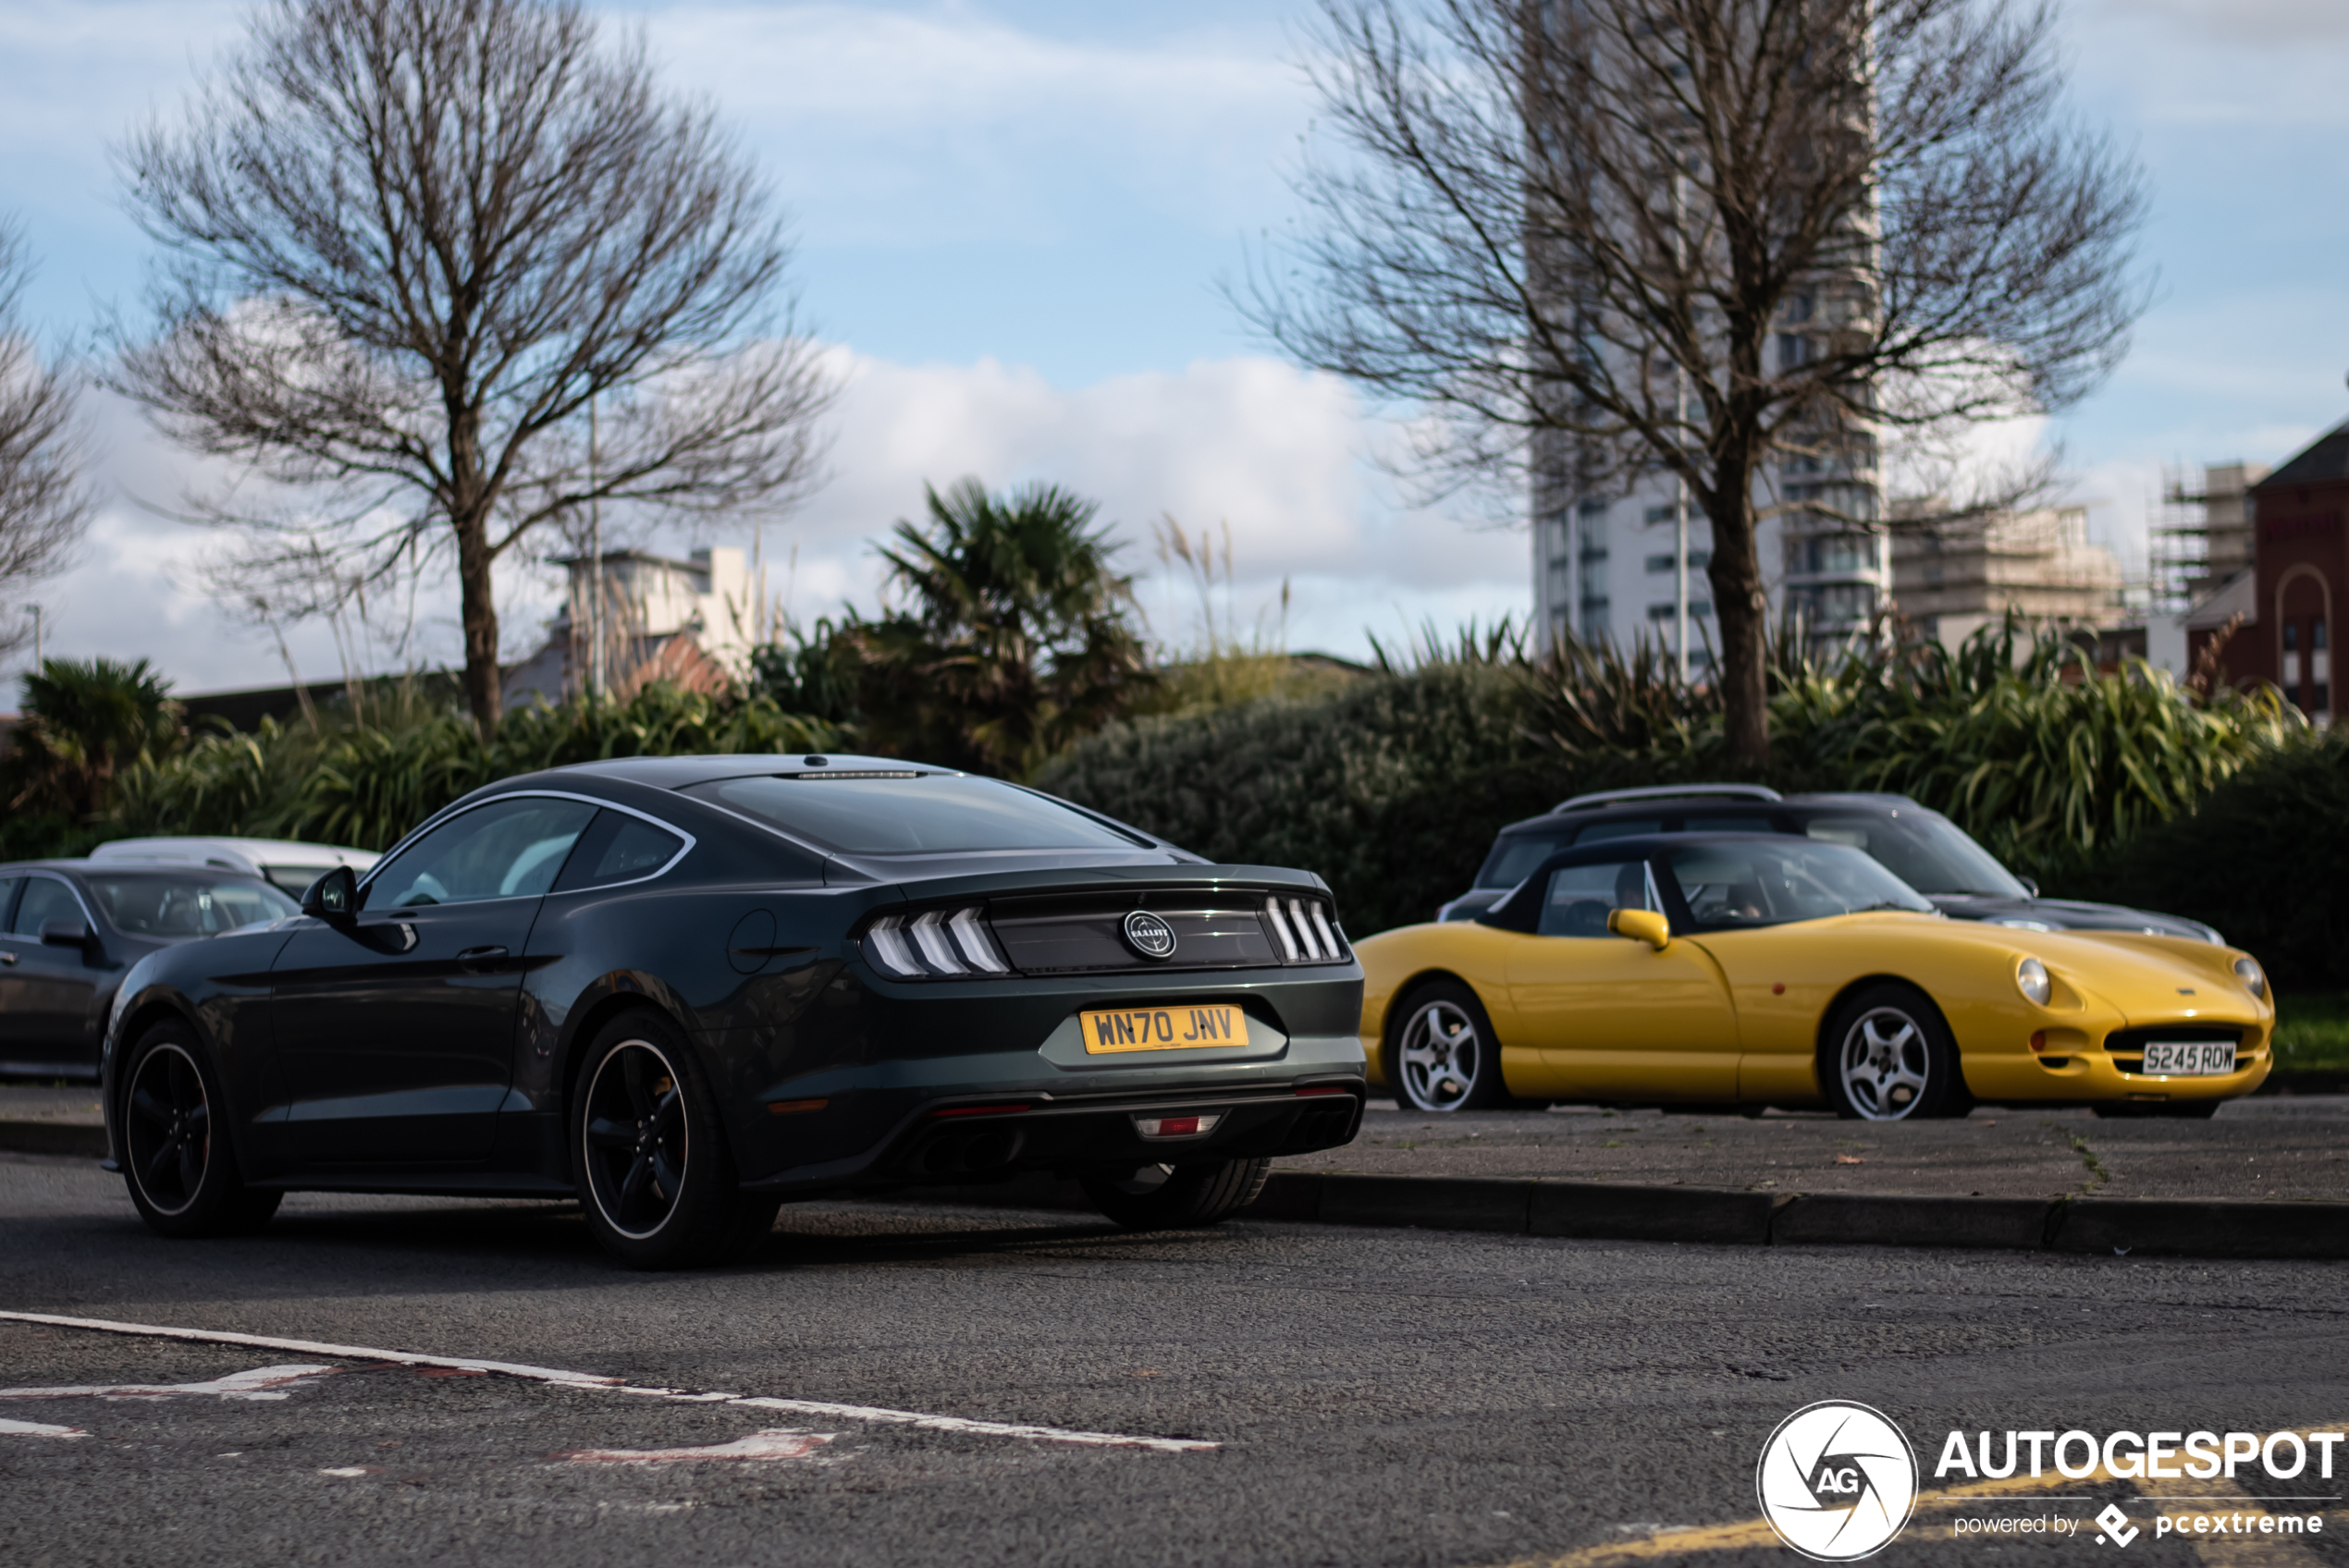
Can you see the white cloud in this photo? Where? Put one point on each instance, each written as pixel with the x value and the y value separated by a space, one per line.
pixel 948 125
pixel 1273 451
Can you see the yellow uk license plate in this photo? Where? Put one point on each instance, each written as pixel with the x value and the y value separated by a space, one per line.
pixel 1163 1029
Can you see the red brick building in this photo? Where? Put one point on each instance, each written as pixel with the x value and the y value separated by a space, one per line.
pixel 2299 574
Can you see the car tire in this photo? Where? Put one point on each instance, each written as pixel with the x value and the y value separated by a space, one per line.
pixel 1177 1197
pixel 176 1159
pixel 653 1172
pixel 1441 1053
pixel 1888 1055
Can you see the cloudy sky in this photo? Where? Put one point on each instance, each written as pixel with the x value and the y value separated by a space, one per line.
pixel 1012 217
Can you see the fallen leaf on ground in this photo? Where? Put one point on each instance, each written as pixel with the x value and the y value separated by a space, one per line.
pixel 1851 1159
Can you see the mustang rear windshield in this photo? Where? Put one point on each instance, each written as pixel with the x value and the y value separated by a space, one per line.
pixel 929 813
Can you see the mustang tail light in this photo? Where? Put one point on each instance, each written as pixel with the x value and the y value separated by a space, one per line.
pixel 939 942
pixel 1305 931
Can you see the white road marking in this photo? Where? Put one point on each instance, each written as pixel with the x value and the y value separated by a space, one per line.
pixel 776 1442
pixel 262 1382
pixel 347 1471
pixel 621 1384
pixel 35 1429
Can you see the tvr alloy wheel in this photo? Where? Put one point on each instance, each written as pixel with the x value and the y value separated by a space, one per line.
pixel 1889 1057
pixel 176 1162
pixel 660 1186
pixel 1444 1057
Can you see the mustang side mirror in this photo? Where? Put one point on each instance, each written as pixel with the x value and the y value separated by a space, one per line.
pixel 333 896
pixel 65 933
pixel 1641 925
pixel 2029 885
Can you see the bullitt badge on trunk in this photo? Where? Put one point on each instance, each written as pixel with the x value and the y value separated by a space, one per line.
pixel 1149 935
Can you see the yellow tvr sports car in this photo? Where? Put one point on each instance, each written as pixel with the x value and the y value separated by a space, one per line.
pixel 1752 970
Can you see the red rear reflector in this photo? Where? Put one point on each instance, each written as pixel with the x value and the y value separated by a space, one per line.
pixel 795 1108
pixel 1327 1089
pixel 1176 1126
pixel 980 1111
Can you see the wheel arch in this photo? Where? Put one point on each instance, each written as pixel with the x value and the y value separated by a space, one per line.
pixel 1824 1043
pixel 156 1006
pixel 1397 1009
pixel 614 1001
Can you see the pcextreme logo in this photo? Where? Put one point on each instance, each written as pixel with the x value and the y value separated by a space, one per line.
pixel 1836 1481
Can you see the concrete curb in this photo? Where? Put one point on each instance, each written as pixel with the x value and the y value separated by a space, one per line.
pixel 2154 1227
pixel 1605 1211
pixel 25 1137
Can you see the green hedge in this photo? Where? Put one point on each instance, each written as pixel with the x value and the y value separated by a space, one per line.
pixel 1392 789
pixel 366 785
pixel 2264 857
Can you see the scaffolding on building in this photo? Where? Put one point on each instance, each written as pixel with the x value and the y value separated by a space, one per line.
pixel 2203 537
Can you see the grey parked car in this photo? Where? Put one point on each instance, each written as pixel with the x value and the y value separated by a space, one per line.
pixel 70 930
pixel 1922 846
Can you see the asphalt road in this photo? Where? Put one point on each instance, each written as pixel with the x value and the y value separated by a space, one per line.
pixel 1379 1397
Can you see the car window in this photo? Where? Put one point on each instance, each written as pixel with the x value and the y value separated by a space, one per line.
pixel 509 849
pixel 1579 897
pixel 9 886
pixel 619 847
pixel 1729 825
pixel 159 904
pixel 928 813
pixel 45 899
pixel 1727 887
pixel 1619 827
pixel 1923 849
pixel 1514 858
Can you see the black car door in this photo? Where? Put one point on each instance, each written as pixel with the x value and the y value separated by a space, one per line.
pixel 46 993
pixel 394 1027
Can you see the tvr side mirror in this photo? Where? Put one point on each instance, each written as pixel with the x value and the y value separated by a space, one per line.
pixel 333 896
pixel 1641 925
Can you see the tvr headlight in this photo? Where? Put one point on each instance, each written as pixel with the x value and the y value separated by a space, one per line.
pixel 2031 975
pixel 2248 971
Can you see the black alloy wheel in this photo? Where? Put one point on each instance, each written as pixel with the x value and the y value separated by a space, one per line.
pixel 1176 1197
pixel 660 1185
pixel 177 1163
pixel 1888 1055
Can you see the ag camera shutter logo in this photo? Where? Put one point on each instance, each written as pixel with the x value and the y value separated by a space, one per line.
pixel 1836 1481
pixel 1149 935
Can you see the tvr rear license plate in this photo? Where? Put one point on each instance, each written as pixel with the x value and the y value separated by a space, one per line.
pixel 1164 1029
pixel 2189 1059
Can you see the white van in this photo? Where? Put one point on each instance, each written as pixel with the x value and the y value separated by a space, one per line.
pixel 289 863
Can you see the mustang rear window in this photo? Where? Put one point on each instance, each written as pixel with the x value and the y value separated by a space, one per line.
pixel 929 814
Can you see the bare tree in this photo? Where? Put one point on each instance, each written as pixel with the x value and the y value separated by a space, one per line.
pixel 1721 240
pixel 408 247
pixel 43 504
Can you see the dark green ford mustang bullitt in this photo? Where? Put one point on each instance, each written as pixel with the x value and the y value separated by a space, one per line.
pixel 684 990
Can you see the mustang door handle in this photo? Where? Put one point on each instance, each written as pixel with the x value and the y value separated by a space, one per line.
pixel 480 960
pixel 8 957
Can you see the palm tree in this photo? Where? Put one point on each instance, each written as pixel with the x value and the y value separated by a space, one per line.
pixel 85 722
pixel 1019 638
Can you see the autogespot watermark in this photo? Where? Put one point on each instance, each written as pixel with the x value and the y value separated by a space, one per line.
pixel 1839 1481
pixel 1836 1481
